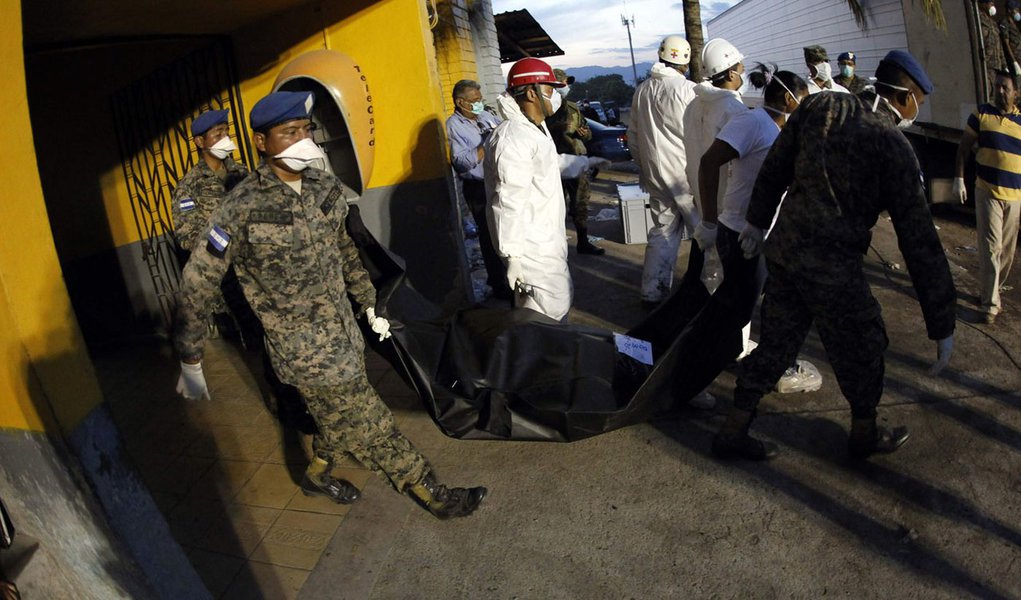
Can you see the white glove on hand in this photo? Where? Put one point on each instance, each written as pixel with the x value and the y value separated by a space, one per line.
pixel 751 240
pixel 597 162
pixel 516 276
pixel 705 235
pixel 378 324
pixel 959 191
pixel 944 348
pixel 192 383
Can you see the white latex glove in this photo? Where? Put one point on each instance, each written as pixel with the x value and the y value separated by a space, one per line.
pixel 378 324
pixel 192 383
pixel 705 235
pixel 959 191
pixel 515 273
pixel 597 162
pixel 944 348
pixel 1017 68
pixel 751 239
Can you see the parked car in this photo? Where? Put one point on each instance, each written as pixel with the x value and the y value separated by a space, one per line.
pixel 608 142
pixel 593 110
pixel 612 114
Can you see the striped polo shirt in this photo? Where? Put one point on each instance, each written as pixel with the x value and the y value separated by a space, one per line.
pixel 998 160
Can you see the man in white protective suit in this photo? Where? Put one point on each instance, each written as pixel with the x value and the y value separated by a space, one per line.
pixel 525 194
pixel 656 139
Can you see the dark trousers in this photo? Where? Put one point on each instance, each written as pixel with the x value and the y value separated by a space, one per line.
pixel 673 315
pixel 496 272
pixel 849 322
pixel 712 339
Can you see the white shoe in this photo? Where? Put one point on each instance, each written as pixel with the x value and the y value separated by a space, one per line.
pixel 751 345
pixel 803 378
pixel 703 401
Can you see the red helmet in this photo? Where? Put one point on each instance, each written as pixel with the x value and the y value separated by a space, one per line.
pixel 531 70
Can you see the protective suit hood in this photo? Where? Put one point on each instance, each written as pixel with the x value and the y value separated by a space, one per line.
pixel 661 71
pixel 508 109
pixel 707 92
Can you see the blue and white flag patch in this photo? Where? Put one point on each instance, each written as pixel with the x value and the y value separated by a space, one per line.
pixel 187 204
pixel 218 241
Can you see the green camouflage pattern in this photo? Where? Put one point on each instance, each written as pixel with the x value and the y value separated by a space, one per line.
pixel 854 84
pixel 207 188
pixel 353 420
pixel 566 128
pixel 845 164
pixel 841 164
pixel 296 264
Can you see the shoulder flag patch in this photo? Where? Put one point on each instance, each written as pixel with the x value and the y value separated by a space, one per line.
pixel 218 241
pixel 187 204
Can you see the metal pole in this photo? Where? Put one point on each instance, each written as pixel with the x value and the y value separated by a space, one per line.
pixel 628 23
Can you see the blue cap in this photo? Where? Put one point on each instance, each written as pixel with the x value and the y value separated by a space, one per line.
pixel 279 107
pixel 847 56
pixel 1013 4
pixel 208 120
pixel 909 65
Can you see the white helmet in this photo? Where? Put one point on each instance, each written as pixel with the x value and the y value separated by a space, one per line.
pixel 718 55
pixel 675 50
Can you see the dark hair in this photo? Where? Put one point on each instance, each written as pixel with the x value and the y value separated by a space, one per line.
pixel 464 85
pixel 763 76
pixel 1008 75
pixel 892 74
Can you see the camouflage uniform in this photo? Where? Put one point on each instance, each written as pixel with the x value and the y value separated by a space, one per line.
pixel 1010 34
pixel 993 48
pixel 200 191
pixel 854 84
pixel 564 126
pixel 843 164
pixel 297 263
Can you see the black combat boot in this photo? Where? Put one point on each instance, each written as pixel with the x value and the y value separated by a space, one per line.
pixel 340 491
pixel 444 502
pixel 733 441
pixel 868 438
pixel 318 482
pixel 584 245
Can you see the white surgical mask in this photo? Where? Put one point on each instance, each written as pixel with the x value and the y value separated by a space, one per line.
pixel 786 115
pixel 823 71
pixel 223 148
pixel 992 11
pixel 1017 16
pixel 556 101
pixel 478 107
pixel 303 154
pixel 846 70
pixel 564 91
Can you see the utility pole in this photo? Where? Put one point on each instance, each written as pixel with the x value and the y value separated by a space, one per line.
pixel 629 23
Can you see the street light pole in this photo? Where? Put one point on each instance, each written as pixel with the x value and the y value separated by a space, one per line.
pixel 629 23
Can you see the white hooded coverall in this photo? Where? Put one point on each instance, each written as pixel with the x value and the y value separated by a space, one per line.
pixel 656 139
pixel 527 208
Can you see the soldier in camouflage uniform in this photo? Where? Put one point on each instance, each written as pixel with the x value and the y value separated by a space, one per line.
pixel 842 161
pixel 200 191
pixel 284 230
pixel 570 132
pixel 992 44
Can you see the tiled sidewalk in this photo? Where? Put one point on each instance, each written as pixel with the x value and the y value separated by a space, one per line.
pixel 225 472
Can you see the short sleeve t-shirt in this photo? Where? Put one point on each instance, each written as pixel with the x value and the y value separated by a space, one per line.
pixel 750 134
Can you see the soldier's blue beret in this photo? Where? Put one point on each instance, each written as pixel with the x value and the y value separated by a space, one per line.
pixel 1013 4
pixel 912 67
pixel 279 107
pixel 208 120
pixel 847 56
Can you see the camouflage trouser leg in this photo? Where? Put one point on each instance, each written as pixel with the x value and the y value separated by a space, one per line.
pixel 581 198
pixel 352 419
pixel 849 322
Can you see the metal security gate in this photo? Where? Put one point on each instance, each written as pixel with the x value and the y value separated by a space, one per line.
pixel 153 118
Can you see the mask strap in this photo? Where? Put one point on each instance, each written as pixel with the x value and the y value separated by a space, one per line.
pixel 788 90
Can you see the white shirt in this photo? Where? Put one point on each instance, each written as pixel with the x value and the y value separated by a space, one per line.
pixel 656 133
pixel 751 135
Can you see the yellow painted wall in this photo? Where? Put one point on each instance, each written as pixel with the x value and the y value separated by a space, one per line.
pixel 390 40
pixel 44 363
